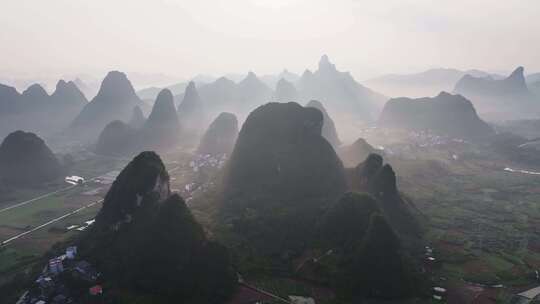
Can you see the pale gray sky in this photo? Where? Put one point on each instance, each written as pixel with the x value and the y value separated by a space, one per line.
pixel 188 37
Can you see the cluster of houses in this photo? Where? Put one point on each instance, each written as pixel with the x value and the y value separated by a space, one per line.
pixel 438 293
pixel 65 279
pixel 207 160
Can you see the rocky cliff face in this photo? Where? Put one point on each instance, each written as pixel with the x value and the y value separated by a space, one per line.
pixel 445 114
pixel 26 159
pixel 146 240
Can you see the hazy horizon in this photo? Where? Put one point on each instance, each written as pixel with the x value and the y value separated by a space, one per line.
pixel 188 38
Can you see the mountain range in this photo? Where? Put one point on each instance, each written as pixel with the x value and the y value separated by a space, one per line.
pixel 427 83
pixel 339 91
pixel 114 101
pixel 33 108
pixel 500 99
pixel 160 131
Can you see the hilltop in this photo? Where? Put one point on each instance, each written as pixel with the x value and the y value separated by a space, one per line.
pixel 114 101
pixel 26 159
pixel 220 136
pixel 445 114
pixel 356 152
pixel 161 130
pixel 340 91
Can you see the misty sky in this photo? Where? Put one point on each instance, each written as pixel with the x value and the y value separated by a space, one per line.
pixel 188 37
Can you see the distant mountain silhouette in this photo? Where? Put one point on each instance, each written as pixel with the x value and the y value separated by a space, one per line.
pixel 137 118
pixel 114 101
pixel 161 129
pixel 339 90
pixel 88 89
pixel 221 135
pixel 427 83
pixel 535 88
pixel 252 92
pixel 25 159
pixel 532 78
pixel 9 100
pixel 67 94
pixel 356 152
pixel 32 110
pixel 191 113
pixel 272 80
pixel 146 240
pixel 445 114
pixel 66 100
pixel 35 98
pixel 221 95
pixel 503 99
pixel 152 92
pixel 329 129
pixel 224 95
pixel 285 91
